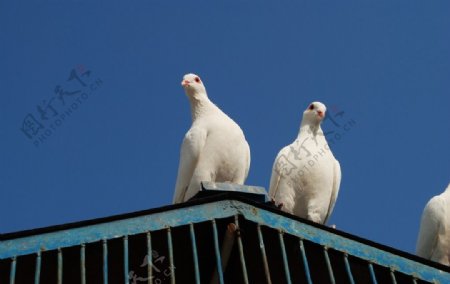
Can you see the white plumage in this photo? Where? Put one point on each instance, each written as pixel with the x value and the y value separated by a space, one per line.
pixel 305 176
pixel 434 235
pixel 214 148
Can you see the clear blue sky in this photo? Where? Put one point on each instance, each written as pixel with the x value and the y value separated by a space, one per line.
pixel 384 64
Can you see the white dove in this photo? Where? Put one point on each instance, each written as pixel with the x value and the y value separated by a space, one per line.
pixel 434 235
pixel 214 149
pixel 305 176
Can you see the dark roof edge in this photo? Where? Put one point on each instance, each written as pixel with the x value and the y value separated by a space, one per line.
pixel 215 198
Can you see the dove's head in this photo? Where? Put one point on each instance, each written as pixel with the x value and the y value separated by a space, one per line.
pixel 193 86
pixel 315 113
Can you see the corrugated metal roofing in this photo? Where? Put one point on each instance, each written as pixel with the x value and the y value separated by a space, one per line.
pixel 224 239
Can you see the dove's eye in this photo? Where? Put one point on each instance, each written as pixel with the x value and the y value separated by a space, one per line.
pixel 197 79
pixel 311 107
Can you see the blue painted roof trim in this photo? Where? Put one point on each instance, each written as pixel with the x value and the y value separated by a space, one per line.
pixel 218 209
pixel 224 187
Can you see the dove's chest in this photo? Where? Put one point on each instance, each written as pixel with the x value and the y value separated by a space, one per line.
pixel 309 148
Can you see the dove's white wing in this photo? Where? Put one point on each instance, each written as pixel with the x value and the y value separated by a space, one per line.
pixel 429 227
pixel 279 165
pixel 193 143
pixel 248 160
pixel 274 181
pixel 282 189
pixel 336 185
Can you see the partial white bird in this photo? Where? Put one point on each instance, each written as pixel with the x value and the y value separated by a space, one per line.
pixel 305 176
pixel 433 242
pixel 214 149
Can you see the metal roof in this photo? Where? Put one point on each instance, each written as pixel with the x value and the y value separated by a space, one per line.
pixel 225 238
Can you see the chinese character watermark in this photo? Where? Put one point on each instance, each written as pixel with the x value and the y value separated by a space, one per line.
pixel 339 130
pixel 160 267
pixel 52 112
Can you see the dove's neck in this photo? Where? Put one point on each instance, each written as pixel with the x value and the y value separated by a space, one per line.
pixel 310 129
pixel 200 105
pixel 447 190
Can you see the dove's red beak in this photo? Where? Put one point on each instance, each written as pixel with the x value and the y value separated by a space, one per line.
pixel 320 113
pixel 185 83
